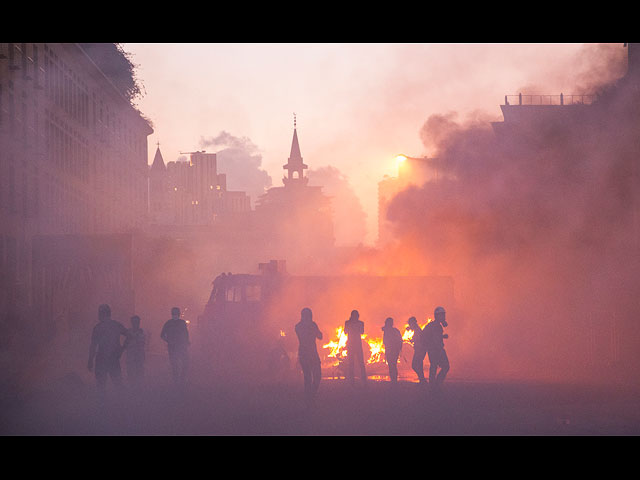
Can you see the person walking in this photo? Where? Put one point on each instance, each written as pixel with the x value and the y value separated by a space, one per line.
pixel 354 329
pixel 134 346
pixel 176 334
pixel 392 341
pixel 308 332
pixel 419 349
pixel 105 349
pixel 434 342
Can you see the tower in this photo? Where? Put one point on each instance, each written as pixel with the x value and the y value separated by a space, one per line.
pixel 295 167
pixel 295 220
pixel 158 184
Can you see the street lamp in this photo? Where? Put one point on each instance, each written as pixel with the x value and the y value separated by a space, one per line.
pixel 400 159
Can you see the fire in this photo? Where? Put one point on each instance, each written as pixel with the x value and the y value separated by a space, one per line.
pixel 377 349
pixel 407 336
pixel 338 347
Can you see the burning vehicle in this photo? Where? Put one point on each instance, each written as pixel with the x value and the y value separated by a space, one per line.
pixel 248 323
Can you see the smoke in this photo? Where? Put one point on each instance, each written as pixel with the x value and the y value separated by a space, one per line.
pixel 241 161
pixel 538 227
pixel 349 217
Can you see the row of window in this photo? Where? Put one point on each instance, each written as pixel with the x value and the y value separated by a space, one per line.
pixel 64 89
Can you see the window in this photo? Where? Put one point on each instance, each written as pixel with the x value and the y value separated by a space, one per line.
pixel 234 294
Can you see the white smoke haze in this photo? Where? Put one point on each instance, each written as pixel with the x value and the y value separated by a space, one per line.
pixel 241 161
pixel 349 217
pixel 538 232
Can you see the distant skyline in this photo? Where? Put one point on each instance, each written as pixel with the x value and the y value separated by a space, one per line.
pixel 357 105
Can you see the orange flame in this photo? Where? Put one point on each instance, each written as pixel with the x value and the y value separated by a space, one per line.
pixel 338 347
pixel 407 336
pixel 377 349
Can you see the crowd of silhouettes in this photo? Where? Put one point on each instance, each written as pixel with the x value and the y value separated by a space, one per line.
pixel 427 341
pixel 106 350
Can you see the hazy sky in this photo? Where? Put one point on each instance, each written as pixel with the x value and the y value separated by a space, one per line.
pixel 357 105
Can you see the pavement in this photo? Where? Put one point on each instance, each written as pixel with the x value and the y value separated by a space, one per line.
pixel 215 404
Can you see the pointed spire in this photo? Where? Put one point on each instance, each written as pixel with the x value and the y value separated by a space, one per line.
pixel 295 156
pixel 295 164
pixel 158 161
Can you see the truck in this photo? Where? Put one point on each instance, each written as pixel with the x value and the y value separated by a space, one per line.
pixel 248 323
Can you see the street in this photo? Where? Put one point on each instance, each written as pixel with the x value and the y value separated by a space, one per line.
pixel 212 405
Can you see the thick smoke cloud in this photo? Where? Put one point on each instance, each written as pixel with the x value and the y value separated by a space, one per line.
pixel 349 217
pixel 539 230
pixel 241 162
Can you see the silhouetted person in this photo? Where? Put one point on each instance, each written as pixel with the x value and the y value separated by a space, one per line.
pixel 219 287
pixel 308 332
pixel 134 345
pixel 419 349
pixel 354 328
pixel 106 349
pixel 392 341
pixel 434 335
pixel 176 334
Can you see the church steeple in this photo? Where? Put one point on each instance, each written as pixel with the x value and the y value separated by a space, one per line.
pixel 295 167
pixel 158 161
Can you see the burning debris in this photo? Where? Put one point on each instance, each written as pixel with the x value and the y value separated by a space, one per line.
pixel 337 347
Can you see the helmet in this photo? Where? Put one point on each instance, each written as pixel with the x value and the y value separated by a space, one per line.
pixel 438 310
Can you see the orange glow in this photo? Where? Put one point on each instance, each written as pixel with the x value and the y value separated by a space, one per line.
pixel 407 336
pixel 338 347
pixel 377 349
pixel 400 159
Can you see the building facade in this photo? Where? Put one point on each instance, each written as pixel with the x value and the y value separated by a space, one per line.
pixel 73 157
pixel 597 136
pixel 191 192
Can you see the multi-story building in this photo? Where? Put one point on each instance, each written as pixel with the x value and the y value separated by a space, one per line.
pixel 191 192
pixel 73 157
pixel 591 141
